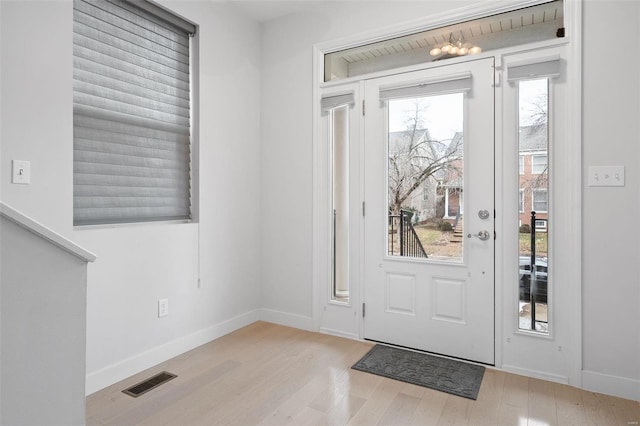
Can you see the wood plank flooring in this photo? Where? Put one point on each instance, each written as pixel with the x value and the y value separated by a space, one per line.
pixel 266 374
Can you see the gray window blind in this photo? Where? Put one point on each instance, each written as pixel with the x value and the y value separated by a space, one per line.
pixel 131 114
pixel 541 68
pixel 453 83
pixel 330 102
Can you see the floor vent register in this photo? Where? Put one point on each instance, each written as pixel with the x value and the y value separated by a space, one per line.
pixel 151 383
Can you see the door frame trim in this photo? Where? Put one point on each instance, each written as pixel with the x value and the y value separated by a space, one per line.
pixel 571 261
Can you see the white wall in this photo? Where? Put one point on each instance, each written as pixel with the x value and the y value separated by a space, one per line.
pixel 287 139
pixel 611 251
pixel 611 293
pixel 137 265
pixel 43 330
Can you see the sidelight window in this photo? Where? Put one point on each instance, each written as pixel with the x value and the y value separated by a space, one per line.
pixel 533 147
pixel 338 108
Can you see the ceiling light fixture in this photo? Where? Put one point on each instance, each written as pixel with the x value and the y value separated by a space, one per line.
pixel 456 47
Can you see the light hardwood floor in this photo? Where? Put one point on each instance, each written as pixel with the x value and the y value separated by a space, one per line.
pixel 272 375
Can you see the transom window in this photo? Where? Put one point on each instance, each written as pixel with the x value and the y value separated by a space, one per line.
pixel 517 27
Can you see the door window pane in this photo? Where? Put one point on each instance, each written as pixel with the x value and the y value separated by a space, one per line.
pixel 533 181
pixel 425 177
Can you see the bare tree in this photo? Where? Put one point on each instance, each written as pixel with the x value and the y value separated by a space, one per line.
pixel 535 111
pixel 414 157
pixel 534 137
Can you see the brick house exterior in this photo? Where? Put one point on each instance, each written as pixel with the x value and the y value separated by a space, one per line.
pixel 533 175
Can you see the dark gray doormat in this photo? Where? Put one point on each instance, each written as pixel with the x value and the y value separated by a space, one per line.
pixel 446 375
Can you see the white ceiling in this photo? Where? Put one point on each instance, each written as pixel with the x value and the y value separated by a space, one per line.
pixel 267 10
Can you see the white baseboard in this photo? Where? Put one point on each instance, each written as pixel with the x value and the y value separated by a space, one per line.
pixel 339 333
pixel 536 374
pixel 286 319
pixel 611 385
pixel 111 374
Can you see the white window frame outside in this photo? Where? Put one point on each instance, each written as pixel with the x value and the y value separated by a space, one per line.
pixel 521 201
pixel 533 200
pixel 538 169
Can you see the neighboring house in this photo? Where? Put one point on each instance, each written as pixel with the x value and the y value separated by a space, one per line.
pixel 533 175
pixel 407 157
pixel 424 201
pixel 437 195
pixel 533 178
pixel 452 180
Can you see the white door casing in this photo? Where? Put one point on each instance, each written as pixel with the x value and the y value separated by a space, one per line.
pixel 558 358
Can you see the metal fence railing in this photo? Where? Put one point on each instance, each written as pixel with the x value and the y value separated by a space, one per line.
pixel 401 231
pixel 538 274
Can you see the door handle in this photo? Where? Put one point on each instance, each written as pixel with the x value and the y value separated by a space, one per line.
pixel 482 235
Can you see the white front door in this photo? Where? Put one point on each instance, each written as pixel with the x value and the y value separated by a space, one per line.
pixel 429 267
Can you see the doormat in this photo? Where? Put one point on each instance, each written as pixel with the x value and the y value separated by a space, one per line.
pixel 443 374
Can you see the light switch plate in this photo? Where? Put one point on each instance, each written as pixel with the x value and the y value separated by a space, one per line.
pixel 163 307
pixel 21 172
pixel 606 176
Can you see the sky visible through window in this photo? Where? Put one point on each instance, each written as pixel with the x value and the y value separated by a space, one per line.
pixel 533 94
pixel 442 121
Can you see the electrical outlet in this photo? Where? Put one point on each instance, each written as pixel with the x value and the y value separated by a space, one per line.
pixel 21 172
pixel 163 307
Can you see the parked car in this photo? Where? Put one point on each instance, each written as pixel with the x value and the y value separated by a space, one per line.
pixel 540 291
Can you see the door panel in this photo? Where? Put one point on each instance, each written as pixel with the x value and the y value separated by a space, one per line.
pixel 426 286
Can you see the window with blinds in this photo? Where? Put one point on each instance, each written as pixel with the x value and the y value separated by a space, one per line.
pixel 131 113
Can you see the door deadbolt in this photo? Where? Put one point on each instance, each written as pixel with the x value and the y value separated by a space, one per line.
pixel 483 214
